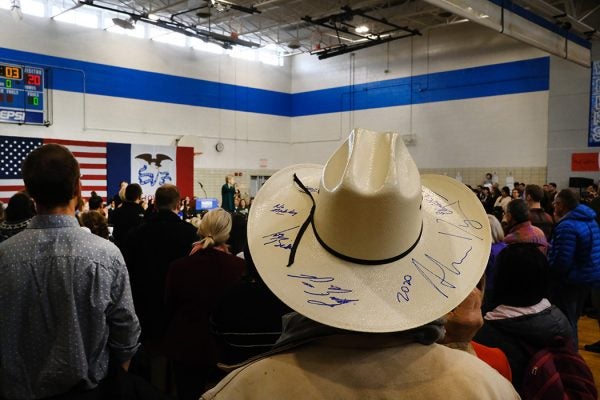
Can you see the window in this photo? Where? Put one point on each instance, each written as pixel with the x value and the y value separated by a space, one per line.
pixel 198 44
pixel 35 8
pixel 242 53
pixel 270 58
pixel 176 39
pixel 78 17
pixel 63 11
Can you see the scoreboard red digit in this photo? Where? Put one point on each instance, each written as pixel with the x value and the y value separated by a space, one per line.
pixel 22 94
pixel 34 79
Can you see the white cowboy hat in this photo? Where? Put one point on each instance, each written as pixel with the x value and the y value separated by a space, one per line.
pixel 364 243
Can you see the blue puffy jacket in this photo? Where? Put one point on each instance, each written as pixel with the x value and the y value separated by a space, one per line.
pixel 575 247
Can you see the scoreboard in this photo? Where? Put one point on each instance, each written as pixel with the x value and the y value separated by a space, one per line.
pixel 22 94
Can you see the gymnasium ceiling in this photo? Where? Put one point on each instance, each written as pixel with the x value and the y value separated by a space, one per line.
pixel 321 27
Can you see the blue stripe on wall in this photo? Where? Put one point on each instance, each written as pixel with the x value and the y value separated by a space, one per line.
pixel 66 74
pixel 492 80
pixel 118 160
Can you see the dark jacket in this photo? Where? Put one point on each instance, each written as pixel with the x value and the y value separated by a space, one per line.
pixel 227 193
pixel 194 287
pixel 247 321
pixel 542 220
pixel 536 330
pixel 595 205
pixel 575 247
pixel 149 249
pixel 9 229
pixel 124 219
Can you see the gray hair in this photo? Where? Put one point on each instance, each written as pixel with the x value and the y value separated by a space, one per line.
pixel 496 228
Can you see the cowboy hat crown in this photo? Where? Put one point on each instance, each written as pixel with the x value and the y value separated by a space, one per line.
pixel 371 191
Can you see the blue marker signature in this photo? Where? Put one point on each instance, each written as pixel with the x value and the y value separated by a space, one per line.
pixel 461 230
pixel 330 290
pixel 280 209
pixel 440 208
pixel 279 239
pixel 435 271
pixel 336 302
pixel 404 289
pixel 323 288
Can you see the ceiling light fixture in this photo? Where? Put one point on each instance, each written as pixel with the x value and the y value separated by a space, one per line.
pixel 294 44
pixel 361 29
pixel 153 17
pixel 124 23
pixel 175 26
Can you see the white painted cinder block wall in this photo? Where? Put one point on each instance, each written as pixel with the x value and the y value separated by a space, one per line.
pixel 507 130
pixel 568 118
pixel 568 122
pixel 247 136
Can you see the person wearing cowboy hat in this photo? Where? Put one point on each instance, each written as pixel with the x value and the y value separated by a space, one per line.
pixel 370 292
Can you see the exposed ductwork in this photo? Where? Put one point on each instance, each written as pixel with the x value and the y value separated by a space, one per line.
pixel 384 31
pixel 507 17
pixel 173 25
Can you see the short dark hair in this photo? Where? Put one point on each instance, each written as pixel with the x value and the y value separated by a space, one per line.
pixel 521 276
pixel 518 210
pixel 505 190
pixel 535 192
pixel 51 175
pixel 568 198
pixel 96 222
pixel 95 202
pixel 133 192
pixel 552 184
pixel 167 197
pixel 20 207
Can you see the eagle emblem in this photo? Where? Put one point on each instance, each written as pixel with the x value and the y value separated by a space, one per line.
pixel 154 160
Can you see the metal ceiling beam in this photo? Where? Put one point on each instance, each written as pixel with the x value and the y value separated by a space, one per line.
pixel 191 31
pixel 76 6
pixel 384 21
pixel 340 20
pixel 503 20
pixel 344 49
pixel 559 15
pixel 590 12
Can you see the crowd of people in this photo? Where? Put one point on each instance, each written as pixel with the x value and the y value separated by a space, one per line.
pixel 147 297
pixel 561 227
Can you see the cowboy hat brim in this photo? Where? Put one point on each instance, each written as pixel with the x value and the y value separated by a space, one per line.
pixel 425 284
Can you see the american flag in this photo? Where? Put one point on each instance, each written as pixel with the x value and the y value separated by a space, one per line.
pixel 90 155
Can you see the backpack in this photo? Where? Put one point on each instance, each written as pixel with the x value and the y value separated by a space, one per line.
pixel 557 372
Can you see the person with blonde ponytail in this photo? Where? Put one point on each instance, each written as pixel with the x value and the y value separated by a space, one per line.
pixel 214 231
pixel 194 286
